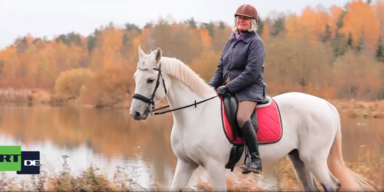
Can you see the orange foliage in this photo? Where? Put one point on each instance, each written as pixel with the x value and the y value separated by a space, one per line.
pixel 29 39
pixel 360 21
pixel 292 27
pixel 266 33
pixel 133 56
pixel 314 21
pixel 205 37
pixel 379 13
pixel 335 13
pixel 299 58
pixel 298 30
pixel 70 82
pixel 205 65
pixel 110 46
pixel 108 87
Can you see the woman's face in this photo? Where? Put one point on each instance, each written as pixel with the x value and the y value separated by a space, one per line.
pixel 243 23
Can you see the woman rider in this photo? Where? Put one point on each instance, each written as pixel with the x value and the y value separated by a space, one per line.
pixel 241 66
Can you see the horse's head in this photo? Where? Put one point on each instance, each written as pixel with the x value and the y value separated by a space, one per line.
pixel 150 84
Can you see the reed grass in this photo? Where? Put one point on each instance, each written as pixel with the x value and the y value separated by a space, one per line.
pixel 370 165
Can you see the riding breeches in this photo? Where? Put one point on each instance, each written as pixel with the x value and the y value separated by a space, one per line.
pixel 244 111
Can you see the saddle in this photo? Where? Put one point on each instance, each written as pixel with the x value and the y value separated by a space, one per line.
pixel 231 107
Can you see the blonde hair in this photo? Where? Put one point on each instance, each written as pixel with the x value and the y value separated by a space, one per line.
pixel 253 26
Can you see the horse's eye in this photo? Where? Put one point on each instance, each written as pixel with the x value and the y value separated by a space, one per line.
pixel 150 80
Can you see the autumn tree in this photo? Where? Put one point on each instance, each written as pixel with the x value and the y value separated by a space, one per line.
pixel 360 20
pixel 314 21
pixel 70 81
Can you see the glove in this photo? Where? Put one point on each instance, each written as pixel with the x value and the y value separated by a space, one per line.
pixel 222 90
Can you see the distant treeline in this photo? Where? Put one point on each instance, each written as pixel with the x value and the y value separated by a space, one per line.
pixel 336 53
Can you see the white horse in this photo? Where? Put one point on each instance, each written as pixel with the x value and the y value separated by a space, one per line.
pixel 311 127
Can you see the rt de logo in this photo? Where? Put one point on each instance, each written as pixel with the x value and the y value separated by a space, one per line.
pixel 23 162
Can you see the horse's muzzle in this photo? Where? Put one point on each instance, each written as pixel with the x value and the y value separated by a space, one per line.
pixel 139 116
pixel 136 115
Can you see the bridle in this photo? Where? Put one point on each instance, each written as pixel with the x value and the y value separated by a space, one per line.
pixel 150 101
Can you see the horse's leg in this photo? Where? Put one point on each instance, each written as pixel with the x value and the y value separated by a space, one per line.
pixel 302 172
pixel 216 172
pixel 316 161
pixel 183 173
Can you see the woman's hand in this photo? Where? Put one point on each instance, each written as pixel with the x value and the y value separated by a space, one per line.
pixel 222 90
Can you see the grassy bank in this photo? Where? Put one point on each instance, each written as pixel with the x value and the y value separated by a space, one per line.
pixel 92 179
pixel 51 97
pixel 355 109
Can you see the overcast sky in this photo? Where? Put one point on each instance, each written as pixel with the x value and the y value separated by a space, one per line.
pixel 53 17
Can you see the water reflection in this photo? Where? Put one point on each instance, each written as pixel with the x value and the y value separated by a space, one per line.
pixel 108 138
pixel 103 137
pixel 361 136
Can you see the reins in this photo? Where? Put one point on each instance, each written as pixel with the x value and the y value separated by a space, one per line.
pixel 150 101
pixel 176 109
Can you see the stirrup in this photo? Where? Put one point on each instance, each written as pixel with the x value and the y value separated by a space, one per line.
pixel 247 169
pixel 246 166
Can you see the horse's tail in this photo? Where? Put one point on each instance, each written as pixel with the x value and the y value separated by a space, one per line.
pixel 349 180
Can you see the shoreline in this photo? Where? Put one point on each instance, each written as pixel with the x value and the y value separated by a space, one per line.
pixel 360 109
pixel 34 97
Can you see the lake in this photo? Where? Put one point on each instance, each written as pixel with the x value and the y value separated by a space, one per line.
pixel 108 138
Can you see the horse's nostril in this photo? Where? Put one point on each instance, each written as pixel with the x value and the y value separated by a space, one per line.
pixel 137 114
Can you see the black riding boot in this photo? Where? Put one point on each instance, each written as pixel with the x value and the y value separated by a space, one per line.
pixel 250 139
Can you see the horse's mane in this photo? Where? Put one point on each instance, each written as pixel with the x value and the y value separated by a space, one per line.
pixel 176 68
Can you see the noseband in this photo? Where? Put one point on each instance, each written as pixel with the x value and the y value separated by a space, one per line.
pixel 150 101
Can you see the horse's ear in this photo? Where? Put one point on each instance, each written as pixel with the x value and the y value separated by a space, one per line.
pixel 158 54
pixel 141 53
